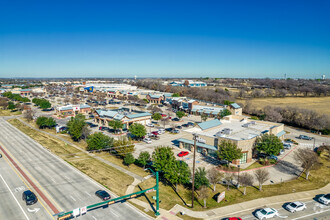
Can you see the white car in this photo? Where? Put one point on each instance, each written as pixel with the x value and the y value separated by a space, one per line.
pixel 161 131
pixel 296 206
pixel 266 213
pixel 325 199
pixel 150 125
pixel 147 140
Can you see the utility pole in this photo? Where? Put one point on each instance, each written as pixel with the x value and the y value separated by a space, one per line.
pixel 193 174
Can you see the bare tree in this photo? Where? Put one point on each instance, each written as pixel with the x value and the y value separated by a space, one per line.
pixel 204 194
pixel 214 177
pixel 66 100
pixel 229 176
pixel 262 175
pixel 308 160
pixel 29 114
pixel 85 132
pixel 3 103
pixel 245 180
pixel 74 100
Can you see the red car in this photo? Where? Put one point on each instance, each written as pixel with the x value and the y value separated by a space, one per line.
pixel 232 218
pixel 163 115
pixel 183 153
pixel 155 132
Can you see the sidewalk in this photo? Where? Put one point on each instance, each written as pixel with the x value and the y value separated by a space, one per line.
pixel 250 205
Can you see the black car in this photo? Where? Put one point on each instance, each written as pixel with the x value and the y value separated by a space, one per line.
pixel 103 195
pixel 190 123
pixel 185 125
pixel 175 119
pixel 64 128
pixel 179 127
pixel 261 155
pixel 101 128
pixel 92 125
pixel 29 197
pixel 169 129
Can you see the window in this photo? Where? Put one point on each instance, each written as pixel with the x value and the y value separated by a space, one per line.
pixel 243 158
pixel 199 149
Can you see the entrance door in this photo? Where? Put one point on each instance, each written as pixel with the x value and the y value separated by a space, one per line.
pixel 243 158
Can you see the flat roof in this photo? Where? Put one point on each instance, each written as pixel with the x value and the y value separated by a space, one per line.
pixel 237 129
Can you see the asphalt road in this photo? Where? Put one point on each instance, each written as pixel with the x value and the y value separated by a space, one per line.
pixel 61 184
pixel 315 211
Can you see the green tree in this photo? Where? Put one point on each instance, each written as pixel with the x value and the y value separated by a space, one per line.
pixel 200 178
pixel 180 114
pixel 269 144
pixel 45 104
pixel 224 113
pixel 129 159
pixel 51 122
pixel 11 105
pixel 99 141
pixel 137 130
pixel 226 102
pixel 143 158
pixel 204 116
pixel 42 122
pixel 175 95
pixel 179 173
pixel 229 151
pixel 156 116
pixel 163 158
pixel 116 125
pixel 123 146
pixel 75 127
pixel 25 99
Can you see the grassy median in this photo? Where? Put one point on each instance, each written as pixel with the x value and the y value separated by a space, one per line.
pixel 9 112
pixel 99 171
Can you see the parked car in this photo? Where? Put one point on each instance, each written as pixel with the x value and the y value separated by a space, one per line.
pixel 169 129
pixel 295 206
pixel 29 197
pixel 101 128
pixel 147 140
pixel 287 146
pixel 63 128
pixel 185 125
pixel 304 137
pixel 150 125
pixel 261 155
pixel 272 157
pixel 281 152
pixel 175 119
pixel 91 116
pixel 93 125
pixel 0 155
pixel 163 115
pixel 325 199
pixel 266 213
pixel 191 123
pixel 183 153
pixel 175 131
pixel 154 137
pixel 155 132
pixel 103 195
pixel 179 127
pixel 232 218
pixel 161 131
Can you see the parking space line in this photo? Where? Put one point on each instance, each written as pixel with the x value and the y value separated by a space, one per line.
pixel 312 214
pixel 14 197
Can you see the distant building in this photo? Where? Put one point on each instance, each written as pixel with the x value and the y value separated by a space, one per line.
pixel 155 99
pixel 127 117
pixel 73 110
pixel 188 83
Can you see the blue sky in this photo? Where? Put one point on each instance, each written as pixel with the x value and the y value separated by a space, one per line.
pixel 221 38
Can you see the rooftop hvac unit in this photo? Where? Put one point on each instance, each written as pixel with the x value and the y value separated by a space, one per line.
pixel 226 131
pixel 253 122
pixel 246 125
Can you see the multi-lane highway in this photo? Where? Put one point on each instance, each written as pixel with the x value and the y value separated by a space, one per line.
pixel 59 186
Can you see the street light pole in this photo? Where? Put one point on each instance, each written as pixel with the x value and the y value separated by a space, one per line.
pixel 239 166
pixel 193 174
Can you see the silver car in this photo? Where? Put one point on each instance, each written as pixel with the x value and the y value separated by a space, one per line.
pixel 295 206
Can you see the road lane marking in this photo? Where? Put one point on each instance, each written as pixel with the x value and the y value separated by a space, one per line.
pixel 73 199
pixel 94 217
pixel 311 214
pixel 114 213
pixel 15 198
pixel 35 210
pixel 88 194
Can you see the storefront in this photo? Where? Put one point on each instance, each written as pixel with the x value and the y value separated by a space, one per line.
pixel 204 149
